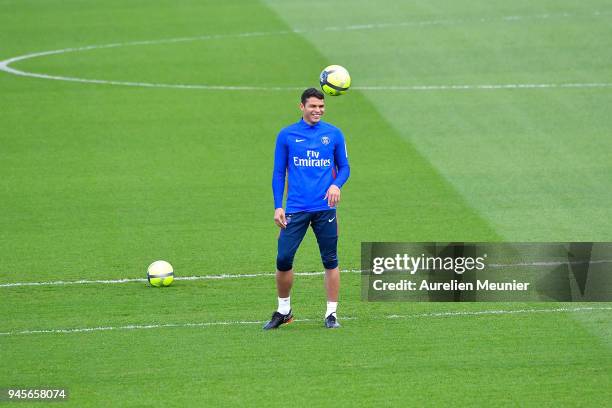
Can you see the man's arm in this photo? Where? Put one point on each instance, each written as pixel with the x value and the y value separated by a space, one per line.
pixel 341 159
pixel 278 179
pixel 344 171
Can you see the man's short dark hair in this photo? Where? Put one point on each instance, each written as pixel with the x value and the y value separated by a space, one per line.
pixel 310 92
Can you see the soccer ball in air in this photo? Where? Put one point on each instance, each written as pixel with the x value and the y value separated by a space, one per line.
pixel 335 80
pixel 160 273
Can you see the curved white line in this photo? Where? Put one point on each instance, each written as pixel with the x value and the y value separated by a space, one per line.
pixel 5 65
pixel 251 322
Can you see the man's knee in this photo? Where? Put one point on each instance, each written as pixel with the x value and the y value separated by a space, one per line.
pixel 329 257
pixel 330 263
pixel 328 248
pixel 284 262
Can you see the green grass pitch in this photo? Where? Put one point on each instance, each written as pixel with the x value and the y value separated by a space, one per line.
pixel 98 180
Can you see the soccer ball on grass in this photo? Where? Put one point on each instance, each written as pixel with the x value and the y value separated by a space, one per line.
pixel 160 273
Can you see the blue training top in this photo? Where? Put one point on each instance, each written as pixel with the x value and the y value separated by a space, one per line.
pixel 315 157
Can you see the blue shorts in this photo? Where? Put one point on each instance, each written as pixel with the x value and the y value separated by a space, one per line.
pixel 325 226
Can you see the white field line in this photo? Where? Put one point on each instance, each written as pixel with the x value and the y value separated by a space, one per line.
pixel 4 65
pixel 269 274
pixel 483 87
pixel 500 312
pixel 247 322
pixel 186 278
pixel 555 263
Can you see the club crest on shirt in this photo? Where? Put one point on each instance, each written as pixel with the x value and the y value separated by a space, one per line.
pixel 325 140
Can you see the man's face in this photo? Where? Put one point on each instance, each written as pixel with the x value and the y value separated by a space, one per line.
pixel 312 110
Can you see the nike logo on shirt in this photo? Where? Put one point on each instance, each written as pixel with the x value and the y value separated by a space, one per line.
pixel 299 140
pixel 331 219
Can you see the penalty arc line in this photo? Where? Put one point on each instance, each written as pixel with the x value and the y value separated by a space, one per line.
pixel 4 65
pixel 247 322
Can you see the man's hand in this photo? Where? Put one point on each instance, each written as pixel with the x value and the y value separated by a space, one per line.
pixel 279 218
pixel 332 195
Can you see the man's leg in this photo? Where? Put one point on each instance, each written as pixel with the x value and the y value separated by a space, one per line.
pixel 325 227
pixel 284 282
pixel 332 284
pixel 289 240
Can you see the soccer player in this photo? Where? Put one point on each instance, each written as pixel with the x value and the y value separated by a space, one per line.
pixel 313 155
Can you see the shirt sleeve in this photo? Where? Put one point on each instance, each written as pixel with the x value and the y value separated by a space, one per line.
pixel 341 159
pixel 280 169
